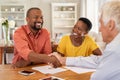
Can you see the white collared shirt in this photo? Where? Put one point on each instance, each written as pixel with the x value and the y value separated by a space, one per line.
pixel 107 66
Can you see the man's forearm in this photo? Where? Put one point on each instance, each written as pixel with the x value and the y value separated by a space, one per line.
pixel 38 58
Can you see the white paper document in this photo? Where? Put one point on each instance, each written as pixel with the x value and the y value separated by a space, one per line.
pixel 80 70
pixel 48 69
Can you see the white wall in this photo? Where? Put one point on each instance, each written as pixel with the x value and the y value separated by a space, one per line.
pixel 90 10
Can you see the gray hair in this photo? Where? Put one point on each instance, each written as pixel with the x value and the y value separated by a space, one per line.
pixel 111 10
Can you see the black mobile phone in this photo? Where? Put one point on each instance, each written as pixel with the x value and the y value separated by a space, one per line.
pixel 26 72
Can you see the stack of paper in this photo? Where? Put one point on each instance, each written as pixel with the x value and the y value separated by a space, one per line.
pixel 48 69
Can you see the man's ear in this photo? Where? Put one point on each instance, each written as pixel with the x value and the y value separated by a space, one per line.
pixel 111 24
pixel 27 19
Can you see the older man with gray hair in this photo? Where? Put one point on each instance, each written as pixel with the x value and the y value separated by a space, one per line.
pixel 109 64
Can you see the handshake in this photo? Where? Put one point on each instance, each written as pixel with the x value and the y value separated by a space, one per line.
pixel 56 60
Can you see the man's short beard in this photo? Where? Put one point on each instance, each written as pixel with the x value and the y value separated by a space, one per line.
pixel 37 29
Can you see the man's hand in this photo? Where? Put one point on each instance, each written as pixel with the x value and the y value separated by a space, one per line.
pixel 54 61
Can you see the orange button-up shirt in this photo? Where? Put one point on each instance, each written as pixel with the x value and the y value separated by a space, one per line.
pixel 22 46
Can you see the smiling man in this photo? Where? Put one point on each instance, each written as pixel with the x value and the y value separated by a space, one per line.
pixel 32 42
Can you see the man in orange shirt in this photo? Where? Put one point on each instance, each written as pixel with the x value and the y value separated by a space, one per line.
pixel 32 42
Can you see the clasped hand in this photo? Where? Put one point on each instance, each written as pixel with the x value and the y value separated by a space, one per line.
pixel 59 58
